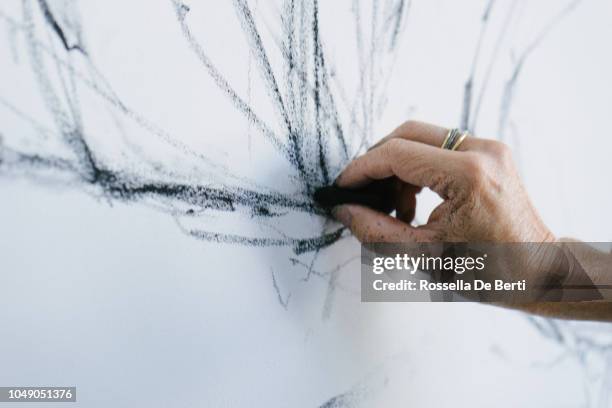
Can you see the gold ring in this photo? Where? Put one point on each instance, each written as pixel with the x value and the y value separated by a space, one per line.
pixel 460 140
pixel 448 136
pixel 453 139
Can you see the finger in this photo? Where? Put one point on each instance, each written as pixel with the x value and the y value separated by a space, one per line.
pixel 405 202
pixel 429 134
pixel 412 162
pixel 370 226
pixel 439 213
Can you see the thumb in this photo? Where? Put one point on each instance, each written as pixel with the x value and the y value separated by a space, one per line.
pixel 371 226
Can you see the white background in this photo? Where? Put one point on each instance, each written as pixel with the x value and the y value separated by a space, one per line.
pixel 113 298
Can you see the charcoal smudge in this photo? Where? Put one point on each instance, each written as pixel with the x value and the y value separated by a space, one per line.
pixel 311 134
pixel 57 28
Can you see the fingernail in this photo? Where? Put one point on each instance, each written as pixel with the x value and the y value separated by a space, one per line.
pixel 342 214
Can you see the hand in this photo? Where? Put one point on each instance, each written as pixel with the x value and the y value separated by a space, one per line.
pixel 484 199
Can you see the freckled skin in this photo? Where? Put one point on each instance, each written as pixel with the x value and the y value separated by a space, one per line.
pixel 484 199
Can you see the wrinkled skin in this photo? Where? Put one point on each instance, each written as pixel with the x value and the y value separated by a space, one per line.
pixel 484 201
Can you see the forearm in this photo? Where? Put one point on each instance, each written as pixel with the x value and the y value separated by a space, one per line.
pixel 596 267
pixel 589 310
pixel 595 263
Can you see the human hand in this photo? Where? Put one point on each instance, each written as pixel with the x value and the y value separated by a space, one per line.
pixel 484 199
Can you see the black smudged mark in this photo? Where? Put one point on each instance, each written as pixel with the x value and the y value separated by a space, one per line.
pixel 318 66
pixel 258 50
pixel 182 10
pixel 93 80
pixel 172 192
pixel 311 135
pixel 129 188
pixel 299 245
pixel 57 28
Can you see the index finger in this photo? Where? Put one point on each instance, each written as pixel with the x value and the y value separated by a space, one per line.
pixel 427 133
pixel 412 162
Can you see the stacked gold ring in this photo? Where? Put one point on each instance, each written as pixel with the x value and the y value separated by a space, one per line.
pixel 454 138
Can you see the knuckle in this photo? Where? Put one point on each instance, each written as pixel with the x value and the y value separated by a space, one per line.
pixel 393 147
pixel 499 150
pixel 394 144
pixel 475 168
pixel 410 125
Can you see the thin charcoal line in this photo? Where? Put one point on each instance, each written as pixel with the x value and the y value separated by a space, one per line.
pixel 50 19
pixel 250 29
pixel 12 40
pixel 330 293
pixel 40 128
pixel 494 57
pixel 10 158
pixel 304 63
pixel 328 111
pixel 126 186
pixel 509 87
pixel 354 127
pixel 322 75
pixel 469 83
pixel 383 83
pixel 315 256
pixel 317 99
pixel 551 25
pixel 573 342
pixel 284 302
pixel 71 98
pixel 298 88
pixel 86 155
pixel 296 80
pixel 116 102
pixel 364 96
pixel 222 83
pixel 371 62
pixel 397 27
pixel 361 91
pixel 53 102
pixel 287 47
pixel 311 271
pixel 299 245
